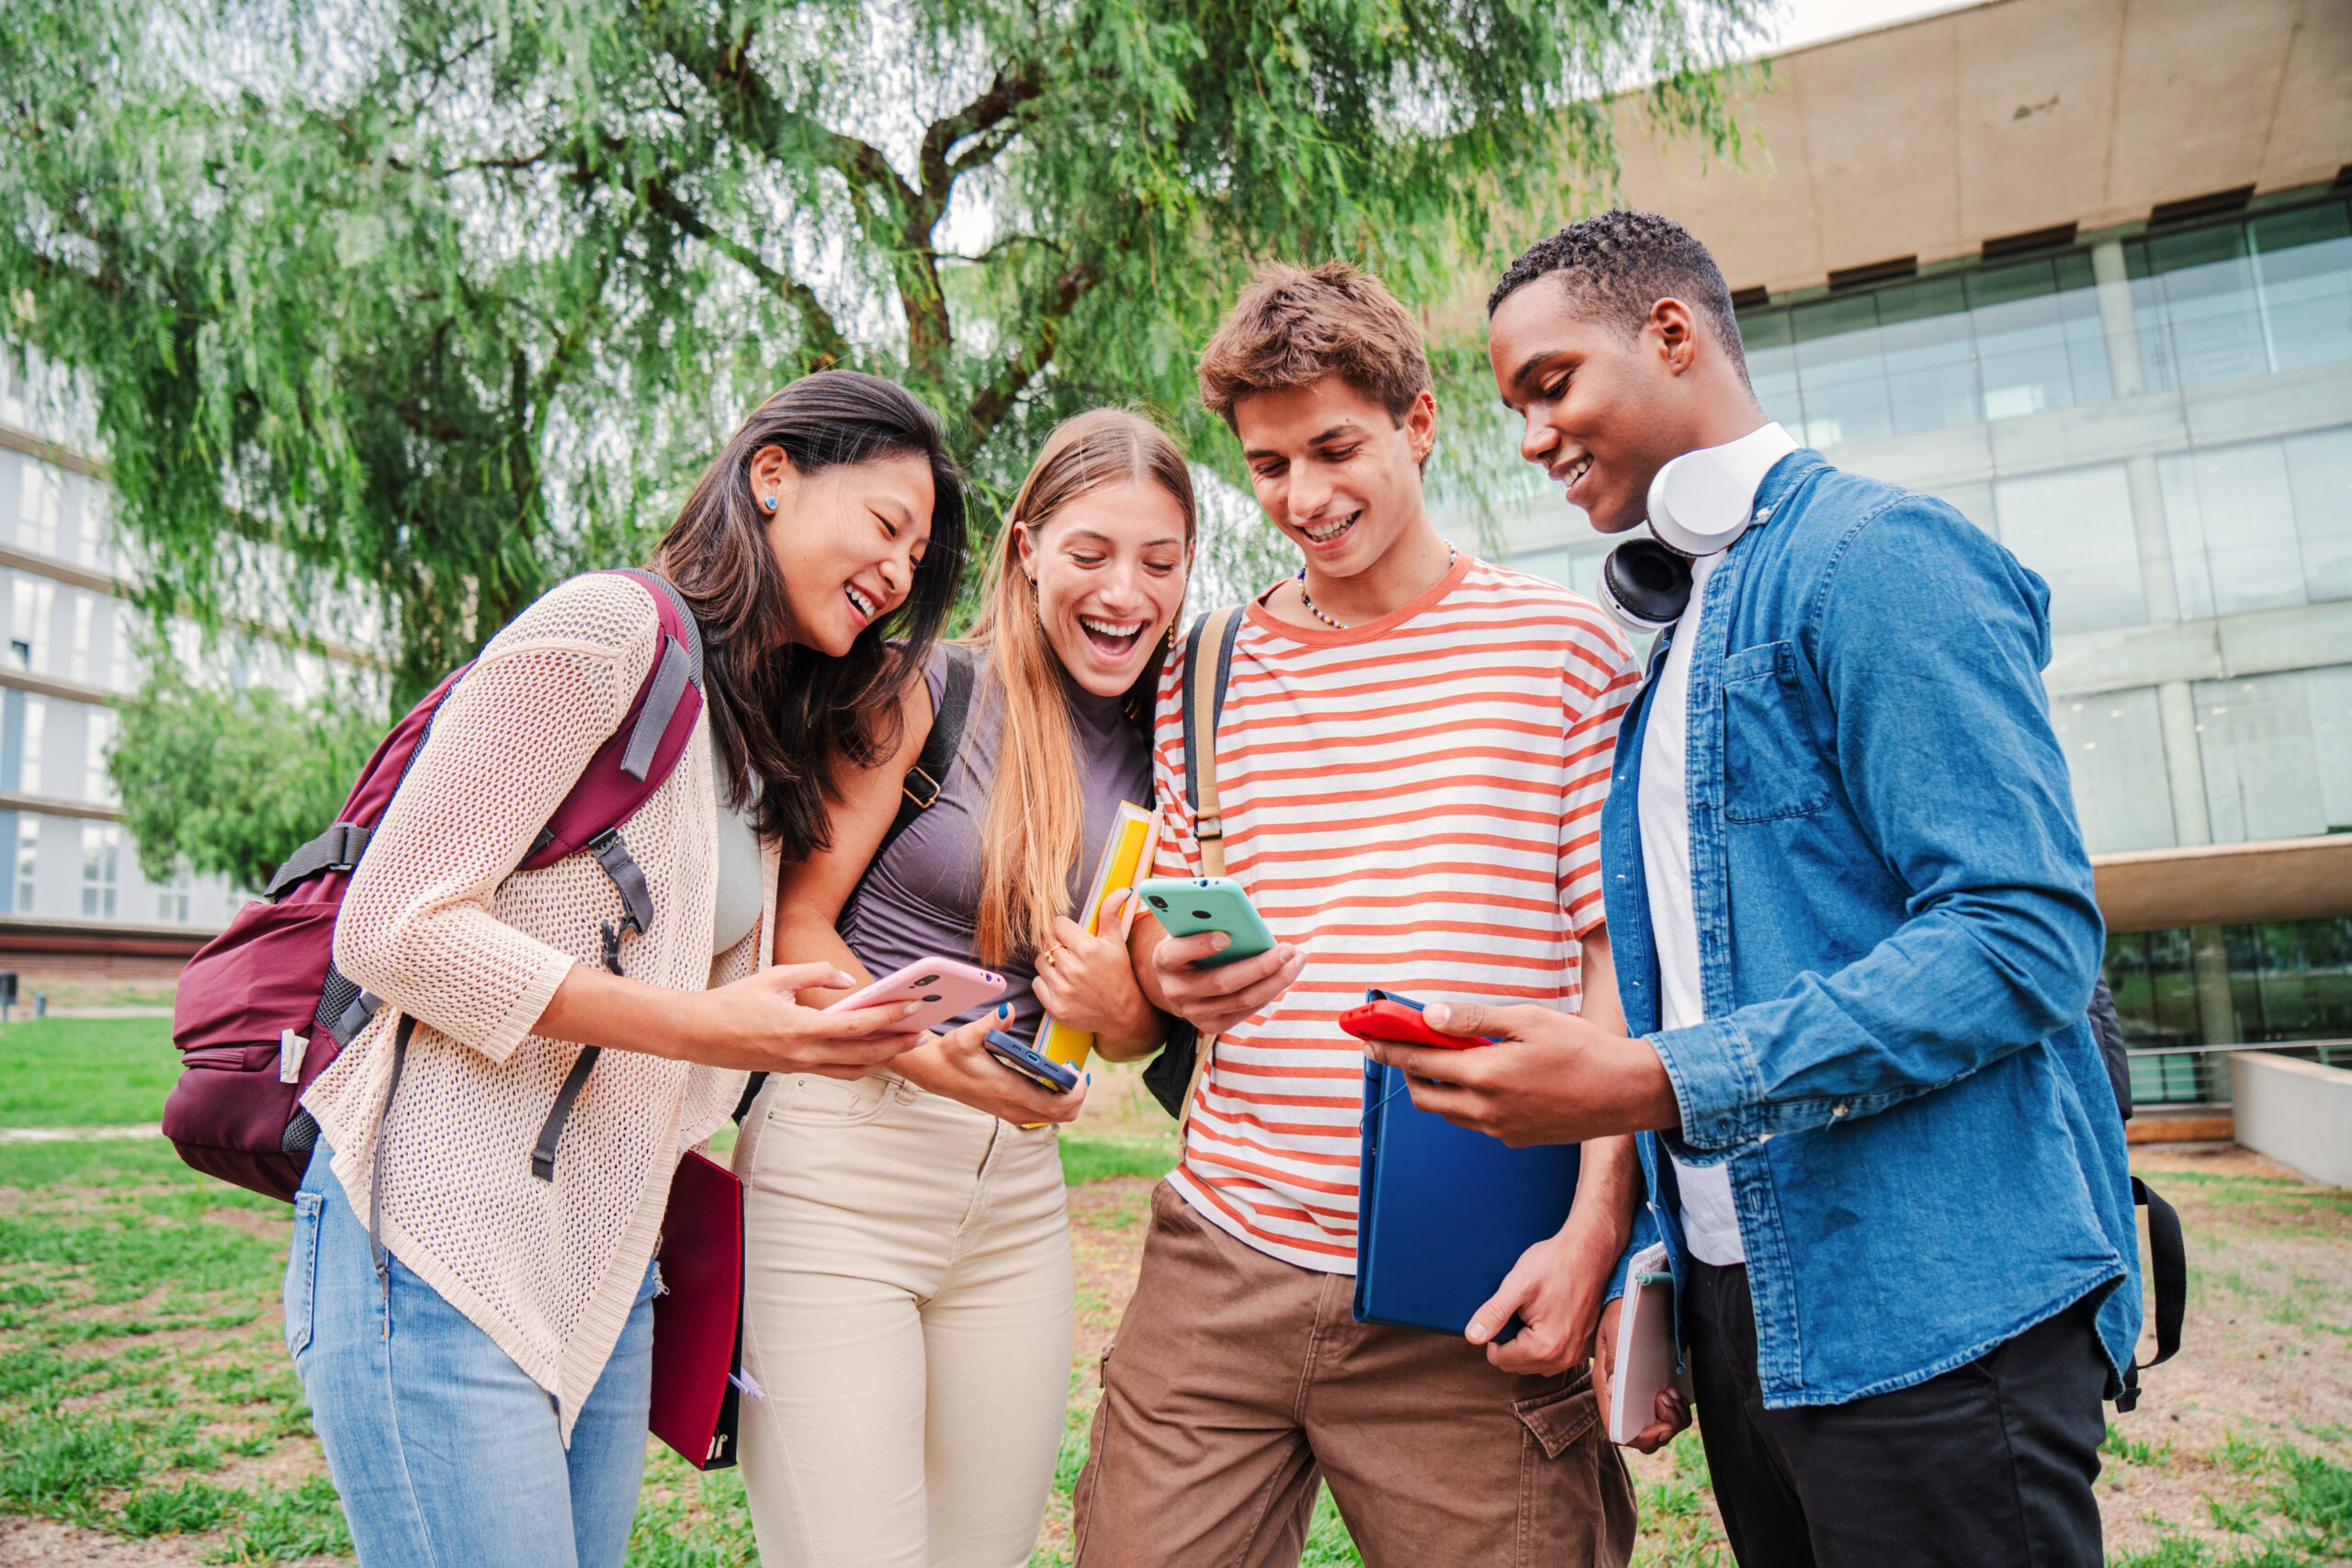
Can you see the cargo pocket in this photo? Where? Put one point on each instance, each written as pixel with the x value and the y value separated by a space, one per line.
pixel 302 1272
pixel 1575 1503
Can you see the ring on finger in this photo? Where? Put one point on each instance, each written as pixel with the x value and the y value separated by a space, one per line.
pixel 1047 962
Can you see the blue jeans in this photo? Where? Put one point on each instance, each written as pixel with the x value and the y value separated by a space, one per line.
pixel 445 1453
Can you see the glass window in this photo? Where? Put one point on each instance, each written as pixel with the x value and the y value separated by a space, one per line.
pixel 2291 980
pixel 2231 520
pixel 1930 360
pixel 101 849
pixel 2074 527
pixel 2260 524
pixel 172 899
pixel 1765 338
pixel 2152 978
pixel 2245 297
pixel 86 613
pixel 2278 754
pixel 23 716
pixel 32 604
pixel 127 631
pixel 2039 342
pixel 28 861
pixel 1842 367
pixel 2115 752
pixel 40 502
pixel 98 784
pixel 2303 265
pixel 2319 476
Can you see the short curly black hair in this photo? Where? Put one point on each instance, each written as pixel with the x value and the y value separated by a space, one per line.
pixel 1621 263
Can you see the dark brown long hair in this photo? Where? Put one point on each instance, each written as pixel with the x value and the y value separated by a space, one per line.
pixel 790 715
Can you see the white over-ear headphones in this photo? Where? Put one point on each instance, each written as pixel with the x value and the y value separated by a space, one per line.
pixel 1699 505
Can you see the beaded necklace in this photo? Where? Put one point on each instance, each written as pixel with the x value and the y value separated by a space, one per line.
pixel 1336 626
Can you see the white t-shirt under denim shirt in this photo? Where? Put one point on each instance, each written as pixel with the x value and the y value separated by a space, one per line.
pixel 1709 1222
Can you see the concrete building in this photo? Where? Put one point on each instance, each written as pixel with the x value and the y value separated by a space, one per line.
pixel 2084 268
pixel 77 913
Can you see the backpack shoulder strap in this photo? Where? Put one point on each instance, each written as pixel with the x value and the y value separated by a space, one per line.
pixel 2168 1272
pixel 1208 667
pixel 921 788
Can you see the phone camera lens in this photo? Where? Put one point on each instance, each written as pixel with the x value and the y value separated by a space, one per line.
pixel 927 980
pixel 1201 914
pixel 1158 902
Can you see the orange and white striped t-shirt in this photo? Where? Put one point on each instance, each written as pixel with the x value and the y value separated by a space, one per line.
pixel 1417 801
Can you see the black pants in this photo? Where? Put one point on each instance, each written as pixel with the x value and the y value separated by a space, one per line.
pixel 1988 1466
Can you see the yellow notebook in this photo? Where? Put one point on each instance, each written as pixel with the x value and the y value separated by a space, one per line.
pixel 1126 860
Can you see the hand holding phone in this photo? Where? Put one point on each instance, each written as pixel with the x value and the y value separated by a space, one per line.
pixel 944 987
pixel 1195 905
pixel 1387 1015
pixel 1054 1078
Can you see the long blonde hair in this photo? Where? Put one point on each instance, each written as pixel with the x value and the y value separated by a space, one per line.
pixel 1036 812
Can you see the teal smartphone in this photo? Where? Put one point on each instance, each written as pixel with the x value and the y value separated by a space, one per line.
pixel 1187 905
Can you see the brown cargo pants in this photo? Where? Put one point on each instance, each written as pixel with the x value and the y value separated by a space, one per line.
pixel 1236 1381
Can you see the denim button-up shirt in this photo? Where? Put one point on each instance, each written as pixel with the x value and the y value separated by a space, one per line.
pixel 1897 940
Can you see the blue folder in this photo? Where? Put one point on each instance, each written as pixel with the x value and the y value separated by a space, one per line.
pixel 1446 1211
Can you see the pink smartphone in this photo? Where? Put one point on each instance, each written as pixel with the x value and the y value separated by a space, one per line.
pixel 944 986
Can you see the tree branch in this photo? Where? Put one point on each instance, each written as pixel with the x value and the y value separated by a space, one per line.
pixel 993 402
pixel 823 333
pixel 1014 85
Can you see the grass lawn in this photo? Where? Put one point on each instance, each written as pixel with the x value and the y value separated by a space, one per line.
pixel 147 1404
pixel 85 1072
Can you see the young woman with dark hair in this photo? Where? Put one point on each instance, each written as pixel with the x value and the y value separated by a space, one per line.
pixel 482 1393
pixel 907 1296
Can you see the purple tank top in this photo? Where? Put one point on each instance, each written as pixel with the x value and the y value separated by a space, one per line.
pixel 921 896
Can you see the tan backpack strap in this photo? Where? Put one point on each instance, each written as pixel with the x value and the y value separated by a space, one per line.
pixel 1211 657
pixel 1208 652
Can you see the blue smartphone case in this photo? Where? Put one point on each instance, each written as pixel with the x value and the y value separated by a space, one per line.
pixel 1042 1071
pixel 1189 906
pixel 1444 1212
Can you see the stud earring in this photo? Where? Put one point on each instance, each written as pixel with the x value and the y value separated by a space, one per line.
pixel 771 503
pixel 1171 634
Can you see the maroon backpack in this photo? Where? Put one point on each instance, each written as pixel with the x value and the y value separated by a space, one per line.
pixel 261 1009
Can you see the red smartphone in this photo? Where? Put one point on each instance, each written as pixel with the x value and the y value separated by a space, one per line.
pixel 1385 1015
pixel 945 987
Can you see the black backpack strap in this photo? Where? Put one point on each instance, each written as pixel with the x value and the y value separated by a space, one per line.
pixel 923 782
pixel 1170 1074
pixel 2168 1268
pixel 337 849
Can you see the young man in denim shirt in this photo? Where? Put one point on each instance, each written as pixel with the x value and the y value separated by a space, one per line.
pixel 1855 937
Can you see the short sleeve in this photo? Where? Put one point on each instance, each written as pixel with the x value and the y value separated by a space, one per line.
pixel 1598 684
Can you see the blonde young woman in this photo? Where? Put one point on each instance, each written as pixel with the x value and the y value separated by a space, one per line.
pixel 909 1294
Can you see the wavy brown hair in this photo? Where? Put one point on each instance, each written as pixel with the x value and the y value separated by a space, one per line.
pixel 789 714
pixel 1036 813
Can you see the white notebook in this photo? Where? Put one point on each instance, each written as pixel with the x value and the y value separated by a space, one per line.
pixel 1644 1347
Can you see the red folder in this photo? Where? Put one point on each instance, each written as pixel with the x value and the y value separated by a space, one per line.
pixel 698 1315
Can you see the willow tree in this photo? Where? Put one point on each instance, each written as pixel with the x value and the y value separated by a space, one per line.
pixel 435 300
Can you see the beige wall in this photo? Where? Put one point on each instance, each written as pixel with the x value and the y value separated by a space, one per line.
pixel 1930 137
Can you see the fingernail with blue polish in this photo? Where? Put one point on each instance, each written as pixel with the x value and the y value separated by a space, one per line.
pixel 1003 1010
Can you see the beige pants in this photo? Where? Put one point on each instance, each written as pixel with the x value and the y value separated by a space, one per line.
pixel 908 1313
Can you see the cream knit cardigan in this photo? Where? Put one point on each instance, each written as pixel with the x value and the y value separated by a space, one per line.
pixel 439 923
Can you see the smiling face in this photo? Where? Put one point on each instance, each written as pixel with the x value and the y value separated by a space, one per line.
pixel 1109 566
pixel 847 539
pixel 1335 472
pixel 1603 410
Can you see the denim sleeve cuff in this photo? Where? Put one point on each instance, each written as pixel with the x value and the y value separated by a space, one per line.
pixel 1645 1235
pixel 1713 1070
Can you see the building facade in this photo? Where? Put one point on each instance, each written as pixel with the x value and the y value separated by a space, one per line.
pixel 77 914
pixel 2145 395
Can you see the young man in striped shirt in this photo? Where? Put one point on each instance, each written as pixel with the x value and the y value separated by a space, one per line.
pixel 1412 756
